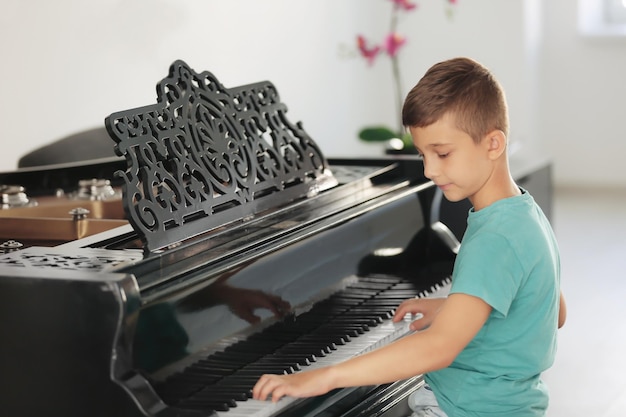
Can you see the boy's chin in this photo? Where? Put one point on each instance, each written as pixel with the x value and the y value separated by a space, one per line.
pixel 454 197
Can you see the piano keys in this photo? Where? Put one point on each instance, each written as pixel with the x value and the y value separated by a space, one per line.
pixel 352 321
pixel 243 250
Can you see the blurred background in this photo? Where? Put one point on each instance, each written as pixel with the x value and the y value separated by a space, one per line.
pixel 67 64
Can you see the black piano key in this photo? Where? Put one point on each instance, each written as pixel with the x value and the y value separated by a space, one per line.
pixel 386 302
pixel 235 384
pixel 405 286
pixel 344 323
pixel 230 358
pixel 241 392
pixel 229 398
pixel 379 279
pixel 227 394
pixel 255 347
pixel 286 357
pixel 289 366
pixel 374 320
pixel 171 394
pixel 400 292
pixel 378 286
pixel 317 349
pixel 209 369
pixel 279 335
pixel 206 404
pixel 194 379
pixel 352 330
pixel 346 333
pixel 230 395
pixel 340 302
pixel 257 371
pixel 238 380
pixel 356 296
pixel 322 332
pixel 303 358
pixel 235 352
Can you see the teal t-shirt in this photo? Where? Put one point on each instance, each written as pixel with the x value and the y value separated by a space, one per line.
pixel 509 258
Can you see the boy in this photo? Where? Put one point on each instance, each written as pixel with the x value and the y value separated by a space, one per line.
pixel 482 348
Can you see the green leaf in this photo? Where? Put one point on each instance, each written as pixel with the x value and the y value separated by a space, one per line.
pixel 377 134
pixel 408 140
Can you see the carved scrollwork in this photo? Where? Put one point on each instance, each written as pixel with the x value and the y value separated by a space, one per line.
pixel 204 156
pixel 84 259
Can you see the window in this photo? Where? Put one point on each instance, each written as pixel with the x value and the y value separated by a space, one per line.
pixel 604 18
pixel 615 12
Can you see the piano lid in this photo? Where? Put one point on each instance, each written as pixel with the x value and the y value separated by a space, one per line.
pixel 205 155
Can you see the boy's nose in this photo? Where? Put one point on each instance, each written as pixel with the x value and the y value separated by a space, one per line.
pixel 429 170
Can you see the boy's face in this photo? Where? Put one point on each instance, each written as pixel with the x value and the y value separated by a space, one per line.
pixel 452 159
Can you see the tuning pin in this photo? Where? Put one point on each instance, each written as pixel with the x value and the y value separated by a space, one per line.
pixel 10 246
pixel 79 213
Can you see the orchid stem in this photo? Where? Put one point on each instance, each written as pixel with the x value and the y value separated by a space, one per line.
pixel 395 67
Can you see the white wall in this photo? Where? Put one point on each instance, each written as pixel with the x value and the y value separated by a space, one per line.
pixel 583 93
pixel 69 63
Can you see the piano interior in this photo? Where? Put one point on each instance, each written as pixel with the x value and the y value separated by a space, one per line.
pixel 188 268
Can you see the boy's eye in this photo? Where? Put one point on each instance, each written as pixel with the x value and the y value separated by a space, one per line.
pixel 443 155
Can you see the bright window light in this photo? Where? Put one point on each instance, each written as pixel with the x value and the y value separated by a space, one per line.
pixel 602 18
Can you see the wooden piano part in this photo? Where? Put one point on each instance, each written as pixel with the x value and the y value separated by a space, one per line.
pixel 52 205
pixel 54 219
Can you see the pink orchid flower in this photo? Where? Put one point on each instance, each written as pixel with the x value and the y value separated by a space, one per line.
pixel 393 42
pixel 406 4
pixel 368 53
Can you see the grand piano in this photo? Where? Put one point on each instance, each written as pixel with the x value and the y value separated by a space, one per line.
pixel 219 245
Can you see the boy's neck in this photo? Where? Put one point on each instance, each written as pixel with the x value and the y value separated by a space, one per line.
pixel 499 186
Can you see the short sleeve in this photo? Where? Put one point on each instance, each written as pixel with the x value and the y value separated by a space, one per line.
pixel 488 268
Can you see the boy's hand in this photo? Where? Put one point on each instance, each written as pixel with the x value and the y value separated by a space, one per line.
pixel 302 384
pixel 427 308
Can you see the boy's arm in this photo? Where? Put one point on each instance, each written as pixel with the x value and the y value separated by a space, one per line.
pixel 460 318
pixel 562 310
pixel 456 324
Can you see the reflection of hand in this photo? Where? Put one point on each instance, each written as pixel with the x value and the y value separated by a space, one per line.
pixel 426 307
pixel 243 302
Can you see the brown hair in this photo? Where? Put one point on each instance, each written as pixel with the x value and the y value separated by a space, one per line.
pixel 464 88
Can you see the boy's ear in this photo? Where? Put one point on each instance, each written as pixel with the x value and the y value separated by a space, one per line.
pixel 496 143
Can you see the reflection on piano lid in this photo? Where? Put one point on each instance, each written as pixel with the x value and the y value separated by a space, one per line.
pixel 242 251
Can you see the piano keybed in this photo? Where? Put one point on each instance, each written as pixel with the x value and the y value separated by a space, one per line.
pixel 354 320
